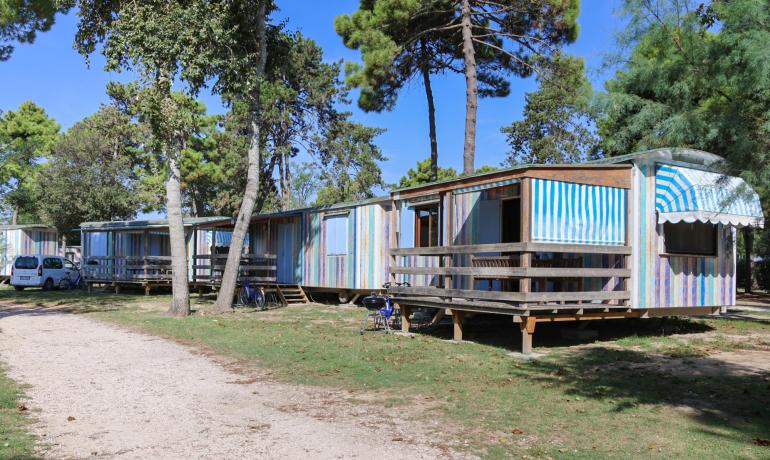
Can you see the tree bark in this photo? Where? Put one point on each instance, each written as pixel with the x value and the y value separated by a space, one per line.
pixel 471 89
pixel 283 171
pixel 431 121
pixel 748 243
pixel 230 275
pixel 180 299
pixel 266 173
pixel 15 216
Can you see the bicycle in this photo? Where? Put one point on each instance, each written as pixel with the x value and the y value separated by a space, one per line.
pixel 70 284
pixel 381 310
pixel 251 297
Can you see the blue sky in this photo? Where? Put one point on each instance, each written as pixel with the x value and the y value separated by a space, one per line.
pixel 50 73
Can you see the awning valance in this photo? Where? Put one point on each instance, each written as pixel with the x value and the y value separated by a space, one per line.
pixel 689 195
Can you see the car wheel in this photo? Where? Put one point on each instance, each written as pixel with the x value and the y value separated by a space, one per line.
pixel 48 285
pixel 64 284
pixel 19 288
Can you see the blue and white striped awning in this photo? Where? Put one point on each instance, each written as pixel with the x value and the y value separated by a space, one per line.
pixel 689 195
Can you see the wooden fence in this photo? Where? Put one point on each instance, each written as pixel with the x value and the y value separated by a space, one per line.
pixel 257 268
pixel 154 269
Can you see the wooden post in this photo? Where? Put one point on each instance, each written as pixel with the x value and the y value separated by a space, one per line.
pixel 525 259
pixel 114 259
pixel 527 326
pixel 146 237
pixel 457 320
pixel 393 244
pixel 448 280
pixel 146 289
pixel 405 312
pixel 195 255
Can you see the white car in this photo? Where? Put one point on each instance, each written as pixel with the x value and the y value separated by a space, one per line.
pixel 42 271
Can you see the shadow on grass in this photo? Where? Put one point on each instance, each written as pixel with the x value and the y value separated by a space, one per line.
pixel 500 331
pixel 728 400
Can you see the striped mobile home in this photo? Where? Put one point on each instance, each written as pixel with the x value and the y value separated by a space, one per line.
pixel 25 239
pixel 647 234
pixel 341 248
pixel 138 252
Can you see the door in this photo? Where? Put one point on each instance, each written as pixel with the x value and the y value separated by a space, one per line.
pixel 285 253
pixel 53 268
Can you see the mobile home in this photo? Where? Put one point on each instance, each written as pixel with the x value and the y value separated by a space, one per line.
pixel 647 234
pixel 25 239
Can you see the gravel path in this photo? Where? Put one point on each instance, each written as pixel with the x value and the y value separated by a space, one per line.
pixel 100 391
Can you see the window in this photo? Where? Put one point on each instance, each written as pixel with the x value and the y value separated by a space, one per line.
pixel 426 226
pixel 52 263
pixel 336 235
pixel 68 264
pixel 695 239
pixel 26 263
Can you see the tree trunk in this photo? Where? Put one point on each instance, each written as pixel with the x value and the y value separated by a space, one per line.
pixel 15 216
pixel 431 122
pixel 266 173
pixel 748 242
pixel 180 301
pixel 283 172
pixel 471 89
pixel 230 275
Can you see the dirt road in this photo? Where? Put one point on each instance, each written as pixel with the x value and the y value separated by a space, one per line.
pixel 98 391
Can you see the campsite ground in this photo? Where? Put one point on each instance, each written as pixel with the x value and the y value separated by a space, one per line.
pixel 687 388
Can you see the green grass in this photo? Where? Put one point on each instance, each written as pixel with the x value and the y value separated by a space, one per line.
pixel 15 442
pixel 630 394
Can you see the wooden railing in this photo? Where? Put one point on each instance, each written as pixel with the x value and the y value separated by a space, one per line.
pixel 515 264
pixel 127 269
pixel 259 268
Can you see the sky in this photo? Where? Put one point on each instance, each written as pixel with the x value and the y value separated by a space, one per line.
pixel 50 73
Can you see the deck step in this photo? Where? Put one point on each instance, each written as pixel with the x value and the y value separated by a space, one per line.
pixel 291 295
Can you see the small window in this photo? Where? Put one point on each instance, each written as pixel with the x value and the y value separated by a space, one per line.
pixel 426 226
pixel 26 263
pixel 52 263
pixel 694 239
pixel 336 235
pixel 68 264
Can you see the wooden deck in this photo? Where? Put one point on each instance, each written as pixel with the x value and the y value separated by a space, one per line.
pixel 518 266
pixel 152 272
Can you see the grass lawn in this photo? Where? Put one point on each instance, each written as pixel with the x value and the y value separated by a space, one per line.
pixel 15 443
pixel 647 388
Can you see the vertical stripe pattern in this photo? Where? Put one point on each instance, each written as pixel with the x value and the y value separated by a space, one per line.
pixel 564 212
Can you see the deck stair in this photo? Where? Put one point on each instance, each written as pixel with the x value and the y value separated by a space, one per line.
pixel 292 294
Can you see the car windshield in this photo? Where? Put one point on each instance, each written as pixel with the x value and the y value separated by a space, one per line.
pixel 26 263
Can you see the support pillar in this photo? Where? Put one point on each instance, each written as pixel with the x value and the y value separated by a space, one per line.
pixel 527 326
pixel 457 320
pixel 147 289
pixel 405 312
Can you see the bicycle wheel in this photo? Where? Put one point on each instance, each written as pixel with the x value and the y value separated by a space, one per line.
pixel 243 298
pixel 259 299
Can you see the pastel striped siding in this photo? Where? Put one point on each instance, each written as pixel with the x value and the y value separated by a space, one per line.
pixel 14 242
pixel 564 212
pixel 365 266
pixel 677 280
